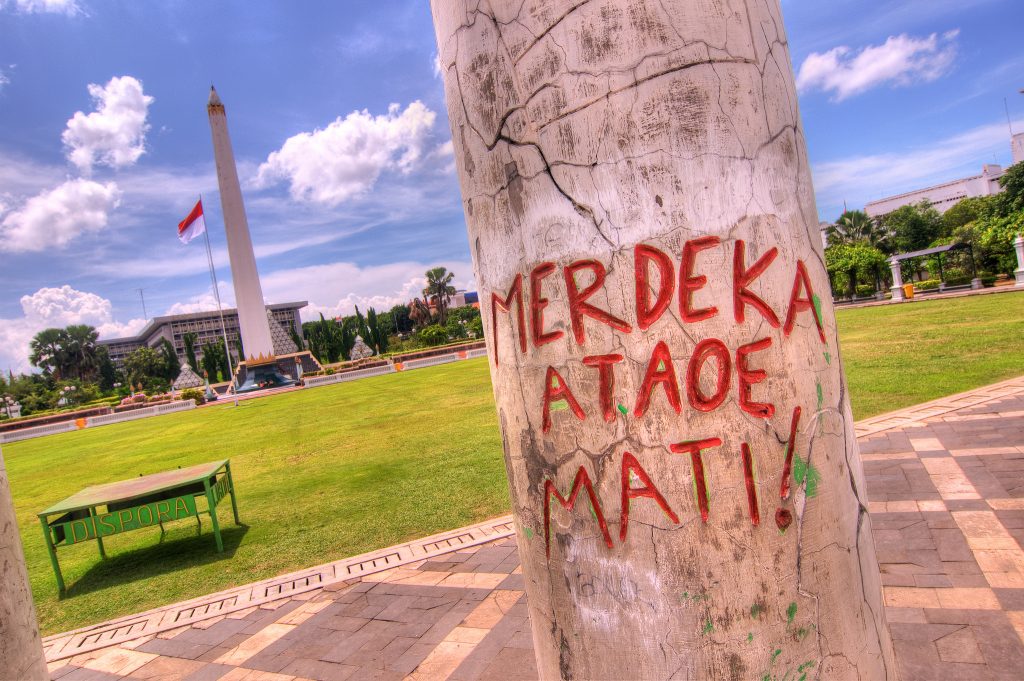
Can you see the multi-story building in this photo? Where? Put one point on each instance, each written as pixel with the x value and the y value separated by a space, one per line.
pixel 944 196
pixel 206 326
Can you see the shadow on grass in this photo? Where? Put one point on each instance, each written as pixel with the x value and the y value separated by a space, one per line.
pixel 158 559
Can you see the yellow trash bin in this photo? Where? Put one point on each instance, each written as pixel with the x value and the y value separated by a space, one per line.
pixel 908 291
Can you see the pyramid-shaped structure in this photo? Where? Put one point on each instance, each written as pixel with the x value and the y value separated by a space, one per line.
pixel 187 378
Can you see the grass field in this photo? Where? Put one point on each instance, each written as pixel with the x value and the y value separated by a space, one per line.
pixel 896 356
pixel 333 472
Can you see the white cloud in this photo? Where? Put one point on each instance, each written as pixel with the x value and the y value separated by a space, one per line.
pixel 68 7
pixel 901 60
pixel 55 217
pixel 115 133
pixel 4 79
pixel 345 159
pixel 335 289
pixel 862 178
pixel 57 307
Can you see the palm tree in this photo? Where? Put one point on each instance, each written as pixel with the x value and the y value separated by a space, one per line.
pixel 48 352
pixel 439 290
pixel 855 227
pixel 80 346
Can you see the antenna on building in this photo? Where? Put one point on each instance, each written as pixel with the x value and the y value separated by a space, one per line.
pixel 143 299
pixel 1006 106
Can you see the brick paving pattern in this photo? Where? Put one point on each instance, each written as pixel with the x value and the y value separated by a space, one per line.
pixel 947 507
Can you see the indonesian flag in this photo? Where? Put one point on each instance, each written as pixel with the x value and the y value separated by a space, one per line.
pixel 193 225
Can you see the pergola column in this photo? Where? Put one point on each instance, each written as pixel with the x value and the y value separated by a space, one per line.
pixel 1018 245
pixel 897 279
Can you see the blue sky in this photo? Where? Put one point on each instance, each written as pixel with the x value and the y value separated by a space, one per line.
pixel 338 122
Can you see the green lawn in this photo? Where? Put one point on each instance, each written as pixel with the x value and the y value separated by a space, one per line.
pixel 337 471
pixel 321 474
pixel 896 356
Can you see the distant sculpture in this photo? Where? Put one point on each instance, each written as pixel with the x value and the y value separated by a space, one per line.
pixel 360 350
pixel 419 313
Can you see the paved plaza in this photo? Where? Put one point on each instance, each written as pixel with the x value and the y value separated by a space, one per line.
pixel 946 488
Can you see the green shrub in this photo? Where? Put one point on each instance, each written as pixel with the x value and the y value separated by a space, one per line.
pixel 328 372
pixel 866 290
pixel 927 285
pixel 958 280
pixel 434 334
pixel 194 394
pixel 988 280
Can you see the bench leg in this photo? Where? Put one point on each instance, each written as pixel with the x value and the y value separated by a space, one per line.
pixel 99 539
pixel 231 487
pixel 213 515
pixel 53 556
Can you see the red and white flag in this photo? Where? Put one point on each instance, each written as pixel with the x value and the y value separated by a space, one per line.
pixel 193 225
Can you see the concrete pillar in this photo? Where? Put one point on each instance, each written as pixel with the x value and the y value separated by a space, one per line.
pixel 897 279
pixel 688 494
pixel 1018 245
pixel 21 648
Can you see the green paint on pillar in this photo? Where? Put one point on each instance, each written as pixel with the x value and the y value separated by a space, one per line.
pixel 559 405
pixel 755 610
pixel 778 651
pixel 828 357
pixel 817 309
pixel 807 475
pixel 821 395
pixel 791 612
pixel 528 532
pixel 624 410
pixel 750 636
pixel 708 627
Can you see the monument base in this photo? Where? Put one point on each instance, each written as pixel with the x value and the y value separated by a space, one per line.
pixel 275 372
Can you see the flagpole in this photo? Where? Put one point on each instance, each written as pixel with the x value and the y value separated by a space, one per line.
pixel 220 311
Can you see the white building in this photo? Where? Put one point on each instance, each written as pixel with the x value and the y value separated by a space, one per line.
pixel 206 326
pixel 946 195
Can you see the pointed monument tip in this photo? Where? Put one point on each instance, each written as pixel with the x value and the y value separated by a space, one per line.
pixel 214 98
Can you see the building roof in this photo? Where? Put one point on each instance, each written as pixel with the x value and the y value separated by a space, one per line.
pixel 929 251
pixel 157 322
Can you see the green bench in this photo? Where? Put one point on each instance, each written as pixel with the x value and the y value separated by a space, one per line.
pixel 103 510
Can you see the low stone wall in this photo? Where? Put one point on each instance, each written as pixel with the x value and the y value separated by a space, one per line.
pixel 22 424
pixel 316 381
pixel 37 431
pixel 169 407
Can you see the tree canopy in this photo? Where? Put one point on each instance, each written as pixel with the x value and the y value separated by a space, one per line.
pixel 68 353
pixel 853 259
pixel 914 227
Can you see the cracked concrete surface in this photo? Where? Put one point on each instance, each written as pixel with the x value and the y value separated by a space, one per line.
pixel 21 648
pixel 584 128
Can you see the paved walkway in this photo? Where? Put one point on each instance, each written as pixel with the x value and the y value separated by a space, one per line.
pixel 946 484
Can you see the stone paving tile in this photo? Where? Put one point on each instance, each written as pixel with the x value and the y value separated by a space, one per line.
pixel 167 668
pixel 209 672
pixel 946 497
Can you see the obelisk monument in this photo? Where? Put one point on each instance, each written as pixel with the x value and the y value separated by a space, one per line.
pixel 252 315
